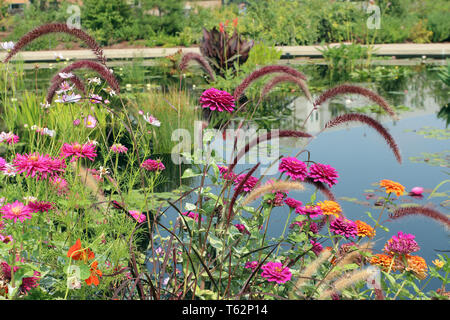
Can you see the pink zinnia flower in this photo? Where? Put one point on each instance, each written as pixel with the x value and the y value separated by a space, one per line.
pixel 138 216
pixel 76 151
pixel 313 227
pixel 118 148
pixel 403 243
pixel 292 203
pixel 2 164
pixel 16 211
pixel 9 138
pixel 323 173
pixel 311 211
pixel 416 191
pixel 90 122
pixel 225 174
pixel 251 265
pixel 215 99
pixel 317 247
pixel 294 168
pixel 41 206
pixel 153 165
pixel 277 201
pixel 248 185
pixel 241 228
pixel 344 227
pixel 191 215
pixel 60 184
pixel 27 282
pixel 37 165
pixel 274 271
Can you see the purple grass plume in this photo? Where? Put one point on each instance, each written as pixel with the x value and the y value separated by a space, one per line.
pixel 57 28
pixel 421 210
pixel 339 120
pixel 200 59
pixel 345 88
pixel 104 72
pixel 286 78
pixel 262 72
pixel 55 85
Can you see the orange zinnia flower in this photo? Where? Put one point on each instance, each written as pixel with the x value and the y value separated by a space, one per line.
pixel 417 265
pixel 77 253
pixel 384 261
pixel 330 208
pixel 364 230
pixel 392 186
pixel 95 273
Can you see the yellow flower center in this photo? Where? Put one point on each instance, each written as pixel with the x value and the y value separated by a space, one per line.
pixel 16 210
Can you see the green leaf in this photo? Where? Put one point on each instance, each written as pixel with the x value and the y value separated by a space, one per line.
pixel 189 173
pixel 215 242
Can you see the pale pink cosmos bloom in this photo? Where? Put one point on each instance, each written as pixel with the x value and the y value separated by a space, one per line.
pixel 90 122
pixel 138 216
pixel 95 98
pixel 9 170
pixel 118 148
pixel 64 87
pixel 16 211
pixel 65 75
pixel 417 191
pixel 76 151
pixel 9 138
pixel 152 120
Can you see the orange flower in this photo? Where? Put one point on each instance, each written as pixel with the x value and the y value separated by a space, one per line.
pixel 235 22
pixel 330 208
pixel 384 261
pixel 417 265
pixel 77 253
pixel 393 187
pixel 364 230
pixel 93 278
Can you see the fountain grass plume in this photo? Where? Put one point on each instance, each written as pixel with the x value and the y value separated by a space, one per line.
pixel 262 72
pixel 264 137
pixel 312 268
pixel 238 191
pixel 322 188
pixel 421 210
pixel 271 187
pixel 346 281
pixel 103 71
pixel 57 28
pixel 55 85
pixel 200 59
pixel 346 88
pixel 357 117
pixel 285 78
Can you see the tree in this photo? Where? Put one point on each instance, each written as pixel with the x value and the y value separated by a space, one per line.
pixel 164 16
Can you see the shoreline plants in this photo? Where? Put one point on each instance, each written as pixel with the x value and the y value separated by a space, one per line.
pixel 83 217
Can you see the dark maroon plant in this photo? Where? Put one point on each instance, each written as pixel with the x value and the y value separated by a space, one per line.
pixel 351 117
pixel 420 210
pixel 104 72
pixel 286 78
pixel 57 28
pixel 55 85
pixel 345 88
pixel 187 57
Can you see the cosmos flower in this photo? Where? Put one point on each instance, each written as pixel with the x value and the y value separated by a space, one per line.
pixel 118 148
pixel 401 244
pixel 16 211
pixel 95 98
pixel 275 272
pixel 65 75
pixel 151 120
pixel 69 98
pixel 392 187
pixel 323 173
pixel 64 87
pixel 293 168
pixel 76 151
pixel 219 100
pixel 344 227
pixel 7 45
pixel 9 138
pixel 138 216
pixel 153 165
pixel 90 122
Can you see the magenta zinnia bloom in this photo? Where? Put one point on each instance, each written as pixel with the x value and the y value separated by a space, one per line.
pixel 39 166
pixel 323 173
pixel 153 165
pixel 317 247
pixel 403 243
pixel 274 271
pixel 344 227
pixel 76 151
pixel 311 211
pixel 217 100
pixel 27 282
pixel 16 211
pixel 292 203
pixel 139 217
pixel 294 168
pixel 251 265
pixel 248 185
pixel 60 184
pixel 241 228
pixel 41 206
pixel 191 215
pixel 225 174
pixel 2 164
pixel 313 227
pixel 118 148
